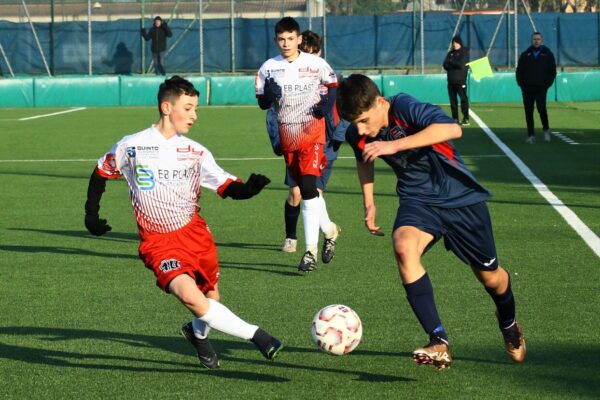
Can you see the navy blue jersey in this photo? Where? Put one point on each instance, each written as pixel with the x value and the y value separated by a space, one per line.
pixel 433 175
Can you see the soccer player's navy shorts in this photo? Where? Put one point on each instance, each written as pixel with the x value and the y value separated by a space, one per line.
pixel 467 231
pixel 321 180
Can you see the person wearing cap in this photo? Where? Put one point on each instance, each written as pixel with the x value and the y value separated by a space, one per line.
pixel 158 34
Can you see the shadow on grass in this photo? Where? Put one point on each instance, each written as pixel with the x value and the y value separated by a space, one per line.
pixel 177 345
pixel 109 236
pixel 278 269
pixel 66 250
pixel 253 246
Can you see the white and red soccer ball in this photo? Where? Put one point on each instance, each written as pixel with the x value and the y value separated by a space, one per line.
pixel 336 329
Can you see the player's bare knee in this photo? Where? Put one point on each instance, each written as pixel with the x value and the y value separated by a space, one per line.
pixel 214 295
pixel 294 196
pixel 404 253
pixel 495 280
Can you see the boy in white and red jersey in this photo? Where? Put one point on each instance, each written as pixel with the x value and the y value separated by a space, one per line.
pixel 165 172
pixel 301 87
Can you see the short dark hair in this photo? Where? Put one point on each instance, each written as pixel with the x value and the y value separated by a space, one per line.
pixel 355 95
pixel 311 42
pixel 173 88
pixel 457 39
pixel 536 33
pixel 287 24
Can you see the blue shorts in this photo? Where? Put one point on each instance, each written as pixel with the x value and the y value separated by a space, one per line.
pixel 467 231
pixel 321 180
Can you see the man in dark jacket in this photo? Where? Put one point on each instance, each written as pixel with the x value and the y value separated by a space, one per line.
pixel 455 65
pixel 536 71
pixel 158 34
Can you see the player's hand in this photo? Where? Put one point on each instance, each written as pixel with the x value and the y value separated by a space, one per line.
pixel 320 109
pixel 96 226
pixel 378 148
pixel 272 91
pixel 335 144
pixel 256 183
pixel 370 212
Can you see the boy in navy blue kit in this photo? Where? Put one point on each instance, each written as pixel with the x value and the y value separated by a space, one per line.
pixel 439 197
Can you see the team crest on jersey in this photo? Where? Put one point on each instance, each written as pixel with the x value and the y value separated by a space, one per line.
pixel 397 132
pixel 130 151
pixel 169 265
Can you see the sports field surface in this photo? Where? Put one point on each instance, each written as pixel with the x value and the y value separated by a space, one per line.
pixel 80 316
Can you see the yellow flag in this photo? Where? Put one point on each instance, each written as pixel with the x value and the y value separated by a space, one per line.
pixel 481 68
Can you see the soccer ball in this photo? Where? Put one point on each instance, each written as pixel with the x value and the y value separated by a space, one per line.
pixel 336 329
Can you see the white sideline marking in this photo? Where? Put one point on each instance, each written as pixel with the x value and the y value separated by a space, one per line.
pixel 51 114
pixel 564 138
pixel 589 237
pixel 218 159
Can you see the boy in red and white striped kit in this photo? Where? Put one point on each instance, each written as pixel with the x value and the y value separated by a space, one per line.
pixel 302 88
pixel 165 172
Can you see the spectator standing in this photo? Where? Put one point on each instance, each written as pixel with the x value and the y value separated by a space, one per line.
pixel 158 34
pixel 536 71
pixel 455 65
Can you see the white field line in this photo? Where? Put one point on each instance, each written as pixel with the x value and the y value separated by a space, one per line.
pixel 564 138
pixel 51 114
pixel 589 237
pixel 218 159
pixel 570 141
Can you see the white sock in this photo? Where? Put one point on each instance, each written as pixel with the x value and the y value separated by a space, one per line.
pixel 201 328
pixel 324 221
pixel 222 319
pixel 310 217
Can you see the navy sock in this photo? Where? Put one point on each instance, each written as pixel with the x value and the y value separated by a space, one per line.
pixel 505 304
pixel 420 297
pixel 291 215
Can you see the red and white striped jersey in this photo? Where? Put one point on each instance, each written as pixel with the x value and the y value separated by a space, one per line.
pixel 165 177
pixel 302 82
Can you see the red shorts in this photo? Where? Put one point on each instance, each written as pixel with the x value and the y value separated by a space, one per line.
pixel 190 250
pixel 308 160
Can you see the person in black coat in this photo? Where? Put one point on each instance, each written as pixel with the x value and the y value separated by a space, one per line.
pixel 455 65
pixel 158 34
pixel 536 71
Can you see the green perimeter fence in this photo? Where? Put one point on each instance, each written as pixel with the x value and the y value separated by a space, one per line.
pixel 239 90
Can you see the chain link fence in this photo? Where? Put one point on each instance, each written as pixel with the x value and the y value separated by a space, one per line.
pixel 57 37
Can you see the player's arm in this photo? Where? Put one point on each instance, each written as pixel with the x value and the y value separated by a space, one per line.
pixel 267 90
pixel 271 94
pixel 366 177
pixel 96 187
pixel 325 105
pixel 213 177
pixel 241 191
pixel 433 134
pixel 273 131
pixel 339 135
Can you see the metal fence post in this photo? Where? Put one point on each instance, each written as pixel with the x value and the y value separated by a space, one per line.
pixel 232 35
pixel 200 38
